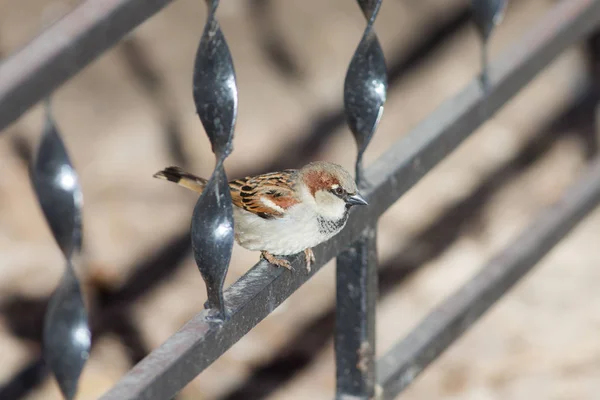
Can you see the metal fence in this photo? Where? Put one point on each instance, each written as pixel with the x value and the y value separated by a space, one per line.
pixel 32 73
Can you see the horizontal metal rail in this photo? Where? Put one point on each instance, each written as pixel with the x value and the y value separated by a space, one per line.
pixel 408 358
pixel 200 341
pixel 64 49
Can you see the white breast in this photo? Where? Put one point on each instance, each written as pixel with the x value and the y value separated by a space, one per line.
pixel 290 234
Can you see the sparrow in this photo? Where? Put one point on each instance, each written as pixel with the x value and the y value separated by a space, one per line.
pixel 287 212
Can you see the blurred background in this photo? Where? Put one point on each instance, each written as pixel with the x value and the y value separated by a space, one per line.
pixel 131 113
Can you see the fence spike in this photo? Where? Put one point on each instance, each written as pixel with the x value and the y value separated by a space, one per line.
pixel 215 96
pixel 66 337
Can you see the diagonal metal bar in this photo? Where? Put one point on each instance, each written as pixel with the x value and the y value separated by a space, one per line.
pixel 199 342
pixel 64 49
pixel 407 359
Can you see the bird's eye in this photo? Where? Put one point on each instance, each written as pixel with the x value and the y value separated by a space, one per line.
pixel 338 191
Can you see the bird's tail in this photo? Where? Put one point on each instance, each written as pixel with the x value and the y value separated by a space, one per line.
pixel 182 178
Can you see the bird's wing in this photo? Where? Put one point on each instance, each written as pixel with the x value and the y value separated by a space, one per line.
pixel 268 195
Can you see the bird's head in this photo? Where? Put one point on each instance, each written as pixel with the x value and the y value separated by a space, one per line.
pixel 330 189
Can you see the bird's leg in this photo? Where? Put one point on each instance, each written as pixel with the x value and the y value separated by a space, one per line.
pixel 280 262
pixel 310 258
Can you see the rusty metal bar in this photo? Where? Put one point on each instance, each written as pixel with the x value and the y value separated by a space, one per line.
pixel 64 49
pixel 199 342
pixel 408 358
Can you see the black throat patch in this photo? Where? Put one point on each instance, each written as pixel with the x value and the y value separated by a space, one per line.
pixel 331 226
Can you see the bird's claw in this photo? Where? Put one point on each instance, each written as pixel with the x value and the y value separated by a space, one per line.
pixel 282 262
pixel 279 262
pixel 310 258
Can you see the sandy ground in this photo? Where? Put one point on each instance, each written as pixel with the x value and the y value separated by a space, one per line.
pixel 539 342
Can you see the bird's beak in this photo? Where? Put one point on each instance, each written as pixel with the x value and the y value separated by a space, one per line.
pixel 356 200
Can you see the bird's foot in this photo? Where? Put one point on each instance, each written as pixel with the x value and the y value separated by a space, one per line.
pixel 280 262
pixel 310 258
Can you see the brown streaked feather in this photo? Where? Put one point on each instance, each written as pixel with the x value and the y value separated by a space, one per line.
pixel 252 193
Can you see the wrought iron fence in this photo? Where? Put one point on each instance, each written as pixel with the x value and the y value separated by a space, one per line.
pixel 63 49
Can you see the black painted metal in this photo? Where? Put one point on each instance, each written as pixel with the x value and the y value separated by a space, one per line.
pixel 254 296
pixel 407 359
pixel 215 96
pixel 356 297
pixel 365 90
pixel 67 337
pixel 365 86
pixel 487 14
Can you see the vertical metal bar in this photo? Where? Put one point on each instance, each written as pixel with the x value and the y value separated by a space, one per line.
pixel 215 96
pixel 356 296
pixel 487 14
pixel 66 336
pixel 365 89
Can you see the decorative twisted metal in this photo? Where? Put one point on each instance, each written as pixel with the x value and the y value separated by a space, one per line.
pixel 365 86
pixel 487 14
pixel 215 96
pixel 365 90
pixel 67 337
